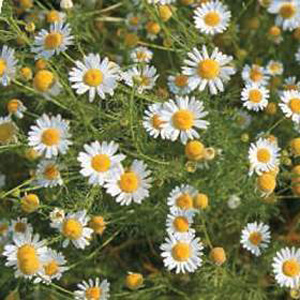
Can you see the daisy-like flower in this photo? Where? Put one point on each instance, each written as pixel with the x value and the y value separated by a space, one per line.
pixel 255 74
pixel 141 77
pixel 92 290
pixel 20 226
pixel 212 17
pixel 48 173
pixel 54 16
pixel 286 267
pixel 179 223
pixel 297 55
pixel 291 83
pixel 8 130
pixel 242 119
pixel 100 161
pixel 53 267
pixel 291 105
pixel 141 55
pixel 56 216
pixel 182 254
pixel 181 198
pixel 152 121
pixel 179 84
pixel 288 14
pixel 263 156
pixel 7 65
pixel 95 76
pixel 204 69
pixel 52 42
pixel 50 135
pixel 255 237
pixel 16 107
pixel 255 97
pixel 25 255
pixel 182 117
pixel 133 21
pixel 274 68
pixel 130 185
pixel 74 229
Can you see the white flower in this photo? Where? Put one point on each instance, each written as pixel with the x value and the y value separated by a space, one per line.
pixel 255 97
pixel 141 77
pixel 56 216
pixel 52 42
pixel 48 174
pixel 291 104
pixel 130 185
pixel 66 4
pixel 286 267
pixel 95 76
pixel 182 117
pixel 212 17
pixel 263 156
pixel 1 2
pixel 255 237
pixel 181 198
pixel 291 83
pixel 50 135
pixel 179 84
pixel 182 254
pixel 274 68
pixel 74 229
pixel 255 74
pixel 92 290
pixel 7 65
pixel 20 226
pixel 204 69
pixel 100 161
pixel 297 55
pixel 25 255
pixel 141 55
pixel 234 202
pixel 17 108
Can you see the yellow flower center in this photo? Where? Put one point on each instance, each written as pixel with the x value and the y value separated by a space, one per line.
pixel 134 281
pixel 141 56
pixel 98 224
pixel 266 182
pixel 20 227
pixel 287 10
pixel 129 182
pixel 13 106
pixel 28 261
pixel 93 293
pixel 181 80
pixel 51 268
pixel 194 150
pixel 263 155
pixel 52 16
pixel 53 40
pixel 2 66
pixel 275 67
pixel 256 75
pixel 134 21
pixel 183 119
pixel 100 162
pixel 51 172
pixel 291 268
pixel 43 80
pixel 153 27
pixel 208 69
pixel 30 203
pixel 7 131
pixel 181 252
pixel 51 136
pixel 255 238
pixel 157 122
pixel 255 96
pixel 181 224
pixel 295 105
pixel 184 201
pixel 93 77
pixel 212 19
pixel 72 229
pixel 290 87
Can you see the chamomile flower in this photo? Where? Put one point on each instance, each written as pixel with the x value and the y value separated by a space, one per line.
pixel 203 69
pixel 25 255
pixel 56 216
pixel 179 223
pixel 263 156
pixel 182 117
pixel 255 74
pixel 181 198
pixel 7 65
pixel 92 290
pixel 297 55
pixel 74 229
pixel 133 21
pixel 288 14
pixel 48 173
pixel 8 130
pixel 53 267
pixel 255 237
pixel 131 185
pixel 94 76
pixel 212 17
pixel 290 105
pixel 182 254
pixel 179 84
pixel 141 55
pixel 54 16
pixel 255 97
pixel 16 107
pixel 56 40
pixel 286 267
pixel 152 121
pixel 50 136
pixel 141 77
pixel 291 83
pixel 274 68
pixel 100 161
pixel 20 226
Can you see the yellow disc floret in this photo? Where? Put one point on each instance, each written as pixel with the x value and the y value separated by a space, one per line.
pixel 184 201
pixel 255 238
pixel 129 182
pixel 43 80
pixel 181 252
pixel 2 66
pixel 134 281
pixel 93 293
pixel 291 268
pixel 72 229
pixel 30 203
pixel 263 155
pixel 51 268
pixel 208 69
pixel 53 40
pixel 212 18
pixel 28 261
pixel 217 255
pixel 287 10
pixel 100 162
pixel 294 105
pixel 93 77
pixel 50 137
pixel 181 224
pixel 183 119
pixel 255 96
